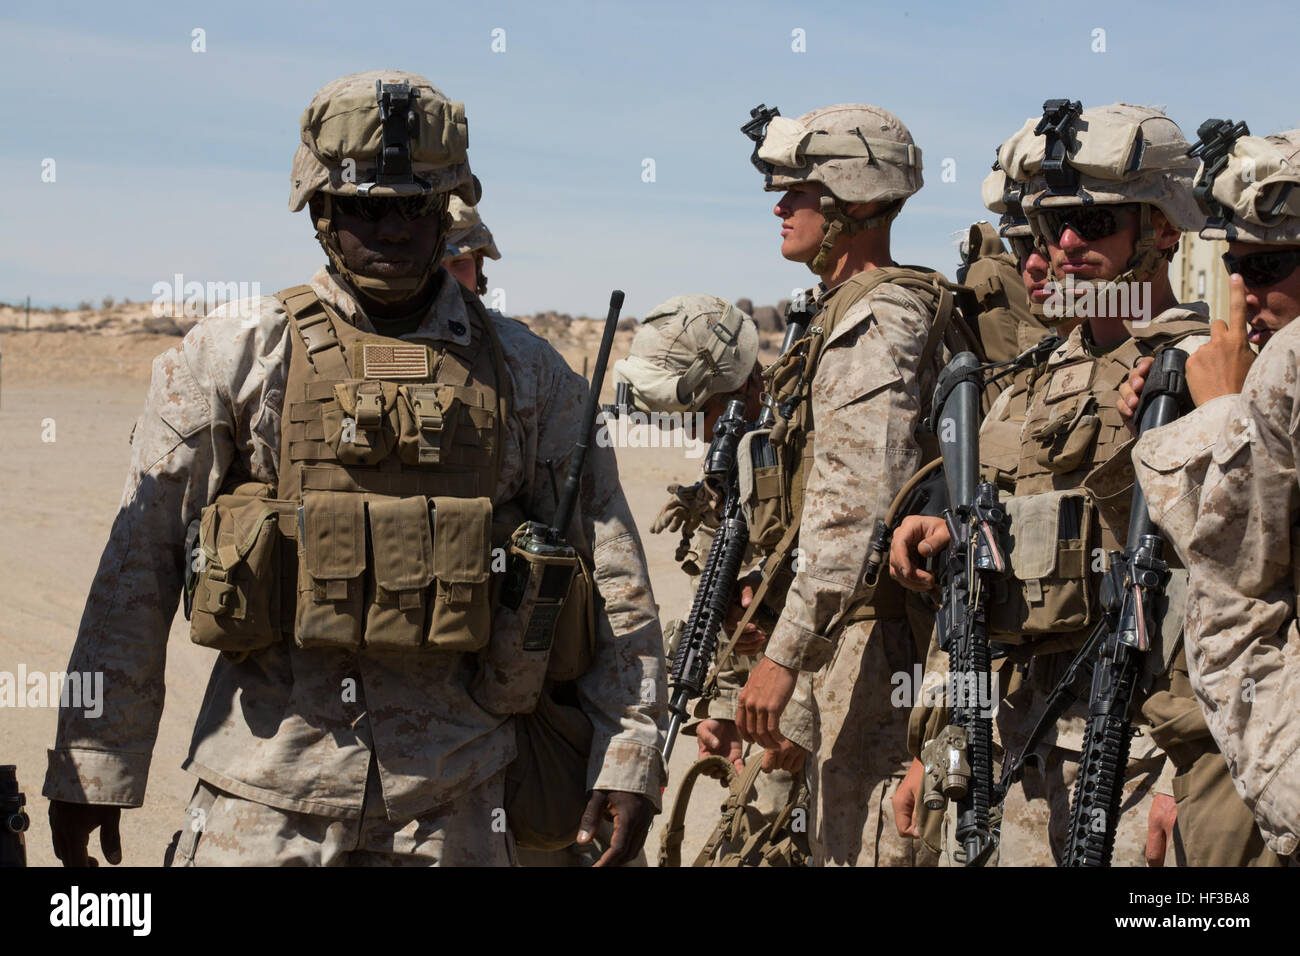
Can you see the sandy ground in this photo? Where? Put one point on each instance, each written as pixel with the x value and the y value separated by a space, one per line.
pixel 85 389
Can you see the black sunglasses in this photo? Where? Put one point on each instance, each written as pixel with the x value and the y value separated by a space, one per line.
pixel 375 208
pixel 1262 269
pixel 1090 222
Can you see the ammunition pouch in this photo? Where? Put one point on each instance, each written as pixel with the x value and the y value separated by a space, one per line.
pixel 1052 536
pixel 433 420
pixel 233 587
pixel 331 570
pixel 425 586
pixel 544 628
pixel 1064 441
pixel 764 497
pixel 359 424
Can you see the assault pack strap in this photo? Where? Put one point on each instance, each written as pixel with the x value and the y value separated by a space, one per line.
pixel 742 837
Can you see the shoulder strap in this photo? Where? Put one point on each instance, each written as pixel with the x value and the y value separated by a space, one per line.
pixel 505 397
pixel 311 320
pixel 670 846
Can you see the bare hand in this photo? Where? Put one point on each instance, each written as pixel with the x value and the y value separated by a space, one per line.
pixel 906 798
pixel 720 737
pixel 1160 828
pixel 789 756
pixel 1219 366
pixel 753 637
pixel 631 813
pixel 71 825
pixel 762 701
pixel 917 538
pixel 1130 392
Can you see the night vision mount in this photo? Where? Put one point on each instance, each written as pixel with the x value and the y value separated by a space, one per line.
pixel 400 125
pixel 1214 140
pixel 1058 117
pixel 756 129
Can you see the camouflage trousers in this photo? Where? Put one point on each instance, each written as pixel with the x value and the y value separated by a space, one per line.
pixel 221 829
pixel 1036 814
pixel 861 751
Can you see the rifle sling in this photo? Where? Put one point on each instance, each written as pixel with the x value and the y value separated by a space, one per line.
pixel 1058 702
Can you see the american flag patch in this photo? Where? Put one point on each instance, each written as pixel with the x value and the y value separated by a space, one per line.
pixel 395 361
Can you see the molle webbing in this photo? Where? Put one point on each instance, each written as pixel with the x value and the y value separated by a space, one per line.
pixel 324 368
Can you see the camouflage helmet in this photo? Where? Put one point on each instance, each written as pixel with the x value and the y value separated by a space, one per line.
pixel 1001 194
pixel 1103 155
pixel 344 134
pixel 687 350
pixel 384 134
pixel 1106 155
pixel 468 233
pixel 1249 188
pixel 859 153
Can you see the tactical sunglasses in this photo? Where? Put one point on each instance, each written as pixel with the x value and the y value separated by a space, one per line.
pixel 375 208
pixel 1090 222
pixel 1261 269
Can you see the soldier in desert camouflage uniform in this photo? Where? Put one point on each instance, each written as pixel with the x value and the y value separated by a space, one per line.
pixel 1207 460
pixel 346 753
pixel 1111 215
pixel 468 243
pixel 864 373
pixel 705 349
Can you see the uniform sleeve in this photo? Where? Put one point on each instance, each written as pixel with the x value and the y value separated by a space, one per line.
pixel 623 692
pixel 1243 648
pixel 1170 463
pixel 181 447
pixel 865 406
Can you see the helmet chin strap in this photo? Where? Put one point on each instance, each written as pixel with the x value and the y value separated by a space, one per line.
pixel 1142 266
pixel 835 221
pixel 385 291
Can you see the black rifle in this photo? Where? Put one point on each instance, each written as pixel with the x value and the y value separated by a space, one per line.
pixel 13 819
pixel 550 541
pixel 1133 597
pixel 959 761
pixel 717 583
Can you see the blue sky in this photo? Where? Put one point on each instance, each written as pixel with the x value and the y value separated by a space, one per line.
pixel 169 161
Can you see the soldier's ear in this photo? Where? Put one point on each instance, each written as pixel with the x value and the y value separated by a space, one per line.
pixel 1167 234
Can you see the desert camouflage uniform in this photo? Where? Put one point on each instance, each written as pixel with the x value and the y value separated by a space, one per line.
pixel 1171 463
pixel 1243 645
pixel 867 402
pixel 277 728
pixel 1040 803
pixel 667 348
